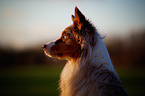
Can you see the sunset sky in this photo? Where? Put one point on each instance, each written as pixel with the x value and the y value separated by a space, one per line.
pixel 32 22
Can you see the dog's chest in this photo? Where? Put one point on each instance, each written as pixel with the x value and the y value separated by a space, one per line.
pixel 68 72
pixel 67 76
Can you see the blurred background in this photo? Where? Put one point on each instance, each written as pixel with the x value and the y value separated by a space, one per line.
pixel 25 25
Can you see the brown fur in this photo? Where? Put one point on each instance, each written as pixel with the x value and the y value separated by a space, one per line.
pixel 66 45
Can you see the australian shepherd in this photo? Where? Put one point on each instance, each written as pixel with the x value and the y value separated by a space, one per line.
pixel 89 71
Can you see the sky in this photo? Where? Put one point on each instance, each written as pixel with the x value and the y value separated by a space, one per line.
pixel 27 23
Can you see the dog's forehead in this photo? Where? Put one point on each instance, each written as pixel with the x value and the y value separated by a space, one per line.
pixel 68 29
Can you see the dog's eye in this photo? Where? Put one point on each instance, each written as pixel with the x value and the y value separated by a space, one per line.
pixel 64 37
pixel 79 41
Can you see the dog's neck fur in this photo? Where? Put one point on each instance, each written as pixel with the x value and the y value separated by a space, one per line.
pixel 101 56
pixel 82 72
pixel 96 56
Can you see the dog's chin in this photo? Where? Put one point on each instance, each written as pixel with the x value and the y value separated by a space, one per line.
pixel 48 53
pixel 61 56
pixel 58 56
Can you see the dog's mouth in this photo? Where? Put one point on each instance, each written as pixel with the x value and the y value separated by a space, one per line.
pixel 60 54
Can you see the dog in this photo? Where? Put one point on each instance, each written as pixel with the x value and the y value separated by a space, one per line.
pixel 89 71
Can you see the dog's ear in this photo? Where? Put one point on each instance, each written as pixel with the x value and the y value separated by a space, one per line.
pixel 72 17
pixel 78 19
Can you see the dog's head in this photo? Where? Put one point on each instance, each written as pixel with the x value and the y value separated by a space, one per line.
pixel 73 40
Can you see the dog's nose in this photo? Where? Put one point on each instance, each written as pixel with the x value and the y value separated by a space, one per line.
pixel 44 46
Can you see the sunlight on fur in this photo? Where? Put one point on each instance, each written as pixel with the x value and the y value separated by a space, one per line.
pixel 89 71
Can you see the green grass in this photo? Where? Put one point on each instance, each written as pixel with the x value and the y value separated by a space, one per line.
pixel 43 81
pixel 133 80
pixel 30 81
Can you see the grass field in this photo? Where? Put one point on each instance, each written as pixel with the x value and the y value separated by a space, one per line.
pixel 43 81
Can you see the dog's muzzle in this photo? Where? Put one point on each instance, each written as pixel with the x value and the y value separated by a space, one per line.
pixel 46 47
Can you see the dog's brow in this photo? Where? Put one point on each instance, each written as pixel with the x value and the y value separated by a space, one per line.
pixel 64 32
pixel 68 34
